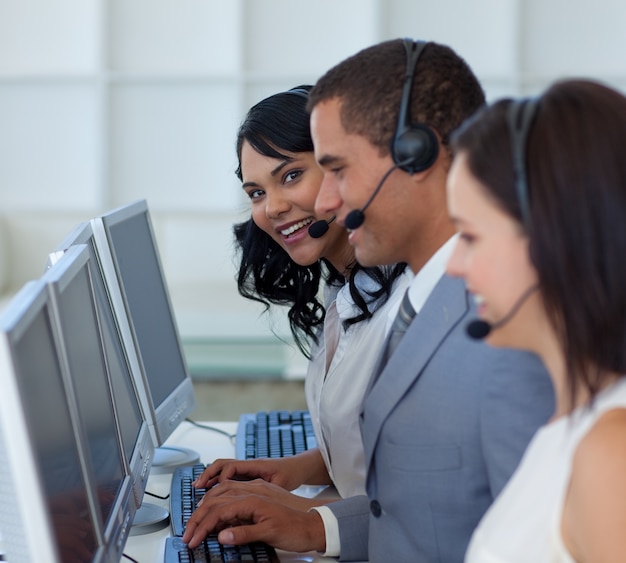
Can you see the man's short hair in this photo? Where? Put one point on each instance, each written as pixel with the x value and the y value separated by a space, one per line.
pixel 369 84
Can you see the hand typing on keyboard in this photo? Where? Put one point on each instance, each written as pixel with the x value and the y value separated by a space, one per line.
pixel 262 489
pixel 287 472
pixel 253 518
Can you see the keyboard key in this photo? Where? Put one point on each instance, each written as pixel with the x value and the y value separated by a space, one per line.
pixel 184 497
pixel 210 551
pixel 277 433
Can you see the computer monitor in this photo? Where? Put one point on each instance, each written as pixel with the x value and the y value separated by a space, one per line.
pixel 127 237
pixel 81 341
pixel 48 509
pixel 126 380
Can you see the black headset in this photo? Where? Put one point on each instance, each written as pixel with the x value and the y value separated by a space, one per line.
pixel 414 146
pixel 520 119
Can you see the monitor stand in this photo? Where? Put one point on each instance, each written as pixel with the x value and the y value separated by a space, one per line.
pixel 168 458
pixel 149 518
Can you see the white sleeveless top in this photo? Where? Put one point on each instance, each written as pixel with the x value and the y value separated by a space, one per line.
pixel 524 522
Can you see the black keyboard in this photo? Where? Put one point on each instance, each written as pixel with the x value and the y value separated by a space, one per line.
pixel 211 551
pixel 183 497
pixel 274 434
pixel 183 501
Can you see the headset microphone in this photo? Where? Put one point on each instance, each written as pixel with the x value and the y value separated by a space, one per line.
pixel 355 218
pixel 480 329
pixel 319 228
pixel 414 146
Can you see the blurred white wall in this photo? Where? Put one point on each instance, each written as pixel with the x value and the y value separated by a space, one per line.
pixel 107 101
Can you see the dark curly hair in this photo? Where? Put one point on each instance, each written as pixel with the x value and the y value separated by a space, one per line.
pixel 266 272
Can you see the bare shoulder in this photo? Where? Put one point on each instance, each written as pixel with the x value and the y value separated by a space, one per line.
pixel 595 513
pixel 600 459
pixel 606 440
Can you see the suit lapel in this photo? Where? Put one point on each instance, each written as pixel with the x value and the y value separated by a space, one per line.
pixel 445 307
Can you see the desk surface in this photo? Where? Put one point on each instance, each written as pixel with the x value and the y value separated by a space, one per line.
pixel 210 445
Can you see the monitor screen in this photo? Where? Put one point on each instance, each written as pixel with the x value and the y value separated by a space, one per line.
pixel 46 510
pixel 137 443
pixel 127 234
pixel 70 284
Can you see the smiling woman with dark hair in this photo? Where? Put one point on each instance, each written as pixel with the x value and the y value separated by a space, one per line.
pixel 338 311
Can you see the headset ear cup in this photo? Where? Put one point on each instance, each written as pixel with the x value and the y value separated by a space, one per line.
pixel 415 148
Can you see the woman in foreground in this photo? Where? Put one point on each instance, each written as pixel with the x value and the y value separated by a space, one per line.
pixel 537 191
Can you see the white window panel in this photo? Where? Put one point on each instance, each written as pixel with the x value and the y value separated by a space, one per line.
pixel 483 32
pixel 198 247
pixel 174 36
pixel 48 146
pixel 575 37
pixel 173 144
pixel 45 37
pixel 31 237
pixel 289 36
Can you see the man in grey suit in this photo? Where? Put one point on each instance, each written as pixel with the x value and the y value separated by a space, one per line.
pixel 445 419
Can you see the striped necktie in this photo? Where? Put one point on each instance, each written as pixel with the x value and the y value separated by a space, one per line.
pixel 400 324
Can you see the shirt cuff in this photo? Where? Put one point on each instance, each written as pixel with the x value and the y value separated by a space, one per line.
pixel 331 530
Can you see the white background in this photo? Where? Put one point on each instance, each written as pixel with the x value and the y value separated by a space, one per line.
pixel 106 101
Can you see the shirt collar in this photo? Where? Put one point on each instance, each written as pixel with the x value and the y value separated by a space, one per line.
pixel 429 275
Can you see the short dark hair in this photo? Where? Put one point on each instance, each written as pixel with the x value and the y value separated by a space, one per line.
pixel 369 84
pixel 577 232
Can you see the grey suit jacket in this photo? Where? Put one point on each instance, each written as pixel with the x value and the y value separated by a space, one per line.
pixel 444 425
